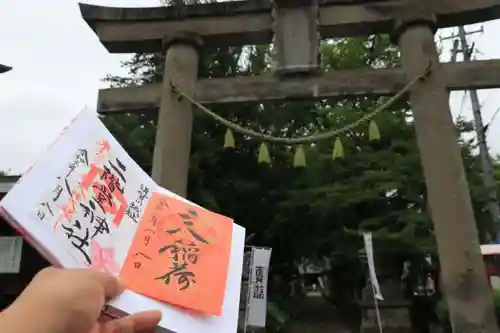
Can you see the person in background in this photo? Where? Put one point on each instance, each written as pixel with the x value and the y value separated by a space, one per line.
pixel 71 301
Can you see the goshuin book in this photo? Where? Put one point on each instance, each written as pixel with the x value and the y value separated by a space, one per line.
pixel 87 204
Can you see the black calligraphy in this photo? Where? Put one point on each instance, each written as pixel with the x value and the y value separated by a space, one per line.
pixel 81 236
pixel 137 262
pixel 147 240
pixel 135 207
pixel 182 255
pixel 188 219
pixel 81 158
pixel 114 179
pixel 80 240
pixel 258 286
pixel 110 189
pixel 99 223
pixel 67 209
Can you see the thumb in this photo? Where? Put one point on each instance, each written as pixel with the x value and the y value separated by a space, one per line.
pixel 110 284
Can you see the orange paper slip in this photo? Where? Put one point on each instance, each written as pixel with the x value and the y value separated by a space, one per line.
pixel 180 255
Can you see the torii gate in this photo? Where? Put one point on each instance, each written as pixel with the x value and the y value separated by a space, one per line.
pixel 295 27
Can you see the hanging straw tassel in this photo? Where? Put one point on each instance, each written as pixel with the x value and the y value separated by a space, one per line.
pixel 299 159
pixel 264 154
pixel 373 132
pixel 338 149
pixel 229 139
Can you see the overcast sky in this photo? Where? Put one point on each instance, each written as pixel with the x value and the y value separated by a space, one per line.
pixel 59 63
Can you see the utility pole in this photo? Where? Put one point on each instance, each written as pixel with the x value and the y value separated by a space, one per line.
pixel 455 50
pixel 486 164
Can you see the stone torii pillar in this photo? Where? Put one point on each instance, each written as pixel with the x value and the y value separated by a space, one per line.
pixel 175 116
pixel 463 271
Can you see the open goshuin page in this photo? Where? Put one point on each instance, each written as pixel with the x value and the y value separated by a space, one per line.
pixel 86 203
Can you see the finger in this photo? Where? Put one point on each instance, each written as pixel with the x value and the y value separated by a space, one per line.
pixel 104 318
pixel 139 322
pixel 110 284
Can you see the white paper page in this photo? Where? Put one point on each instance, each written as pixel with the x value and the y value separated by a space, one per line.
pixel 65 159
pixel 42 198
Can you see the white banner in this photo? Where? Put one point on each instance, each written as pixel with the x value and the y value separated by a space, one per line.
pixel 371 265
pixel 10 254
pixel 257 291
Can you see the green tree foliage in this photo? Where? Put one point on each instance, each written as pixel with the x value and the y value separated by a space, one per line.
pixel 317 211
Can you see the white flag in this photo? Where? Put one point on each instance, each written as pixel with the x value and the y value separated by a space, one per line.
pixel 371 265
pixel 257 295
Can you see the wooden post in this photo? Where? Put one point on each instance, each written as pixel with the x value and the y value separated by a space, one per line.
pixel 175 118
pixel 462 267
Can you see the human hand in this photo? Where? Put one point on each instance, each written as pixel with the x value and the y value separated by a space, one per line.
pixel 70 301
